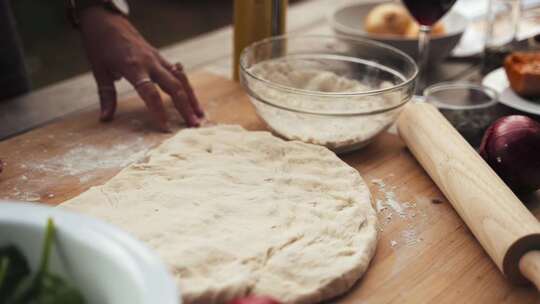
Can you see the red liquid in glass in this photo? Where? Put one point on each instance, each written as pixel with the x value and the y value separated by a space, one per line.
pixel 428 12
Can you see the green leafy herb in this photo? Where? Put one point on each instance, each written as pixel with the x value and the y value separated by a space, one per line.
pixel 13 269
pixel 18 286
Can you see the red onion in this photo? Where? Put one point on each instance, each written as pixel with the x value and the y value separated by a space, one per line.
pixel 511 146
pixel 254 300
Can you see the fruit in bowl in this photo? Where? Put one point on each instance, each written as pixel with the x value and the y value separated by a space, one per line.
pixel 394 19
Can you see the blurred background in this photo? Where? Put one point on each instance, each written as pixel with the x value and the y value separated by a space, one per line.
pixel 52 48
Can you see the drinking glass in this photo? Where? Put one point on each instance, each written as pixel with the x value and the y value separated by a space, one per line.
pixel 426 13
pixel 502 20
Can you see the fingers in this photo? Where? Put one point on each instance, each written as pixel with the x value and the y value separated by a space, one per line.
pixel 151 97
pixel 106 92
pixel 178 72
pixel 142 72
pixel 172 86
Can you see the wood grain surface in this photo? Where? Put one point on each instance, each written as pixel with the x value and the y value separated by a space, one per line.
pixel 494 214
pixel 425 253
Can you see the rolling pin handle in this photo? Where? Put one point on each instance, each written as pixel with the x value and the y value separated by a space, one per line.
pixel 507 230
pixel 529 265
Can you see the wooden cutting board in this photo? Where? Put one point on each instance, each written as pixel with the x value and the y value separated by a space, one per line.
pixel 425 252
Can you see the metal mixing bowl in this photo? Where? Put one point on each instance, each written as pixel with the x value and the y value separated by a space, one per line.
pixel 342 120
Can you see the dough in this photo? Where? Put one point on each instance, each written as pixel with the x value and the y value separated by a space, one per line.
pixel 234 212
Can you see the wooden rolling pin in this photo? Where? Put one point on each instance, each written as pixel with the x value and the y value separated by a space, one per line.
pixel 509 233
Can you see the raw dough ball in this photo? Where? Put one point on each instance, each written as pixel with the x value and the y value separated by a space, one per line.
pixel 388 19
pixel 414 28
pixel 237 213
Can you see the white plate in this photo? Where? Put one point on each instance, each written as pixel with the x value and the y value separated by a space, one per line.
pixel 497 80
pixel 107 265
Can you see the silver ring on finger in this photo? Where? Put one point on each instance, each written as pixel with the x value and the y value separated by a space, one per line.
pixel 142 81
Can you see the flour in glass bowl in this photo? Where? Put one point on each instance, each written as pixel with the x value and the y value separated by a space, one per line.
pixel 339 133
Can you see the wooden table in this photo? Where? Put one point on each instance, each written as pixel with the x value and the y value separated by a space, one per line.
pixel 425 253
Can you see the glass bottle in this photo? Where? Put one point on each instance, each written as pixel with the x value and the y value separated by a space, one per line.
pixel 255 20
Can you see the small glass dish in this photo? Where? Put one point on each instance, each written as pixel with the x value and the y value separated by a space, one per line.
pixel 327 90
pixel 469 107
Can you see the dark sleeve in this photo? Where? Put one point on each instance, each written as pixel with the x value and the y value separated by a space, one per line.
pixel 13 75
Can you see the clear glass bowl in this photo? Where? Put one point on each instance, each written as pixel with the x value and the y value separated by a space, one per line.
pixel 328 90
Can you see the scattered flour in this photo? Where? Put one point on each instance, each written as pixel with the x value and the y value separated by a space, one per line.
pixel 26 196
pixel 390 199
pixel 339 133
pixel 379 206
pixel 410 237
pixel 83 160
pixel 405 210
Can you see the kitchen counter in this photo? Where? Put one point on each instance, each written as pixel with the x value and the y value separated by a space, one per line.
pixel 425 253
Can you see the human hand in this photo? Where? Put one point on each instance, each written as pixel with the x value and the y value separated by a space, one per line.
pixel 116 49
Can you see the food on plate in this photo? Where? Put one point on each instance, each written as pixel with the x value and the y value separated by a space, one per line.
pixel 19 286
pixel 1 166
pixel 254 300
pixel 511 146
pixel 235 213
pixel 523 72
pixel 394 19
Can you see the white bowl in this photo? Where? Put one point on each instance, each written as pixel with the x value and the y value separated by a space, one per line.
pixel 107 265
pixel 349 20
